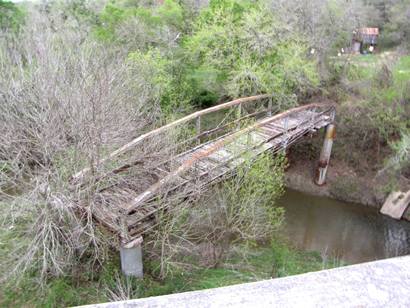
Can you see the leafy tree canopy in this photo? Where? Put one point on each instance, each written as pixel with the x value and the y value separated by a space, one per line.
pixel 11 17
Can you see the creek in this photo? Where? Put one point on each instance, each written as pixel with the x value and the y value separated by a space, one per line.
pixel 348 232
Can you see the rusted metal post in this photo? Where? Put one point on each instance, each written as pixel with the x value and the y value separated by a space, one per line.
pixel 238 115
pixel 198 128
pixel 269 113
pixel 131 258
pixel 321 171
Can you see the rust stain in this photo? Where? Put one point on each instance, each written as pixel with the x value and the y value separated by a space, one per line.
pixel 322 163
pixel 331 132
pixel 219 144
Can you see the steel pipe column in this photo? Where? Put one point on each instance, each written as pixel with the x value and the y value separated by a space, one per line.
pixel 320 178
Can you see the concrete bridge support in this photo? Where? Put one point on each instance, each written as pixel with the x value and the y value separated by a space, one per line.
pixel 320 178
pixel 131 258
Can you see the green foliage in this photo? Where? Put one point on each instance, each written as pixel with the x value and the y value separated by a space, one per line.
pixel 400 160
pixel 288 261
pixel 110 18
pixel 239 48
pixel 261 181
pixel 235 48
pixel 171 13
pixel 388 106
pixel 359 71
pixel 397 24
pixel 152 20
pixel 277 260
pixel 247 201
pixel 59 292
pixel 82 11
pixel 164 75
pixel 382 112
pixel 11 16
pixel 401 73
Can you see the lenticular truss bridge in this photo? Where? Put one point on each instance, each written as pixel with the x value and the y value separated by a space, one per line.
pixel 174 161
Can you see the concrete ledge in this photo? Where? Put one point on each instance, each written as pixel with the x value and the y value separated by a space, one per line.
pixel 384 283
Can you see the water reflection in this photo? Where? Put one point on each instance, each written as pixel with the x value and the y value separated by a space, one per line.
pixel 349 232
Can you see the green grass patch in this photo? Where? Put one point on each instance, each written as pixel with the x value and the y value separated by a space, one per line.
pixel 360 73
pixel 401 71
pixel 245 264
pixel 370 58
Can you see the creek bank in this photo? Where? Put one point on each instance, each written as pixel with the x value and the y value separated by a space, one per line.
pixel 342 184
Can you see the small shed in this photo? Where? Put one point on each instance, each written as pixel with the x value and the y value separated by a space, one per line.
pixel 365 40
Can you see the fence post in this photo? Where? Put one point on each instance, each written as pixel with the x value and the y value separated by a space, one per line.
pixel 320 177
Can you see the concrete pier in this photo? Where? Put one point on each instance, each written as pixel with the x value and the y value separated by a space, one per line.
pixel 131 258
pixel 396 204
pixel 320 178
pixel 384 283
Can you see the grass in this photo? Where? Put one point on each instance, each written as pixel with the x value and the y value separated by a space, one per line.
pixel 365 66
pixel 360 73
pixel 245 264
pixel 369 58
pixel 401 71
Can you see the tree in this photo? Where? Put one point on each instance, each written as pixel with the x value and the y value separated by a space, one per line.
pixel 65 101
pixel 240 48
pixel 11 17
pixel 327 25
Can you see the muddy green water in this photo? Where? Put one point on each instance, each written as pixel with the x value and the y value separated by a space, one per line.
pixel 349 232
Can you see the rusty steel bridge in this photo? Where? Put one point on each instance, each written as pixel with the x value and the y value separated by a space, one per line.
pixel 193 153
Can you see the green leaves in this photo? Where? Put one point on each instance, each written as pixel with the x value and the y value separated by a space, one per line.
pixel 11 17
pixel 248 51
pixel 171 13
pixel 233 48
pixel 153 20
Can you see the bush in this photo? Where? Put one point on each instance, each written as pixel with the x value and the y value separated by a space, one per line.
pixel 135 26
pixel 378 115
pixel 11 16
pixel 66 101
pixel 239 210
pixel 239 48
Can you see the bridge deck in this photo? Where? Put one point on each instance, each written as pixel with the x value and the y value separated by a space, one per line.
pixel 205 164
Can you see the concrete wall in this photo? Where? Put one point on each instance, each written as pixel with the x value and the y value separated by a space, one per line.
pixel 383 283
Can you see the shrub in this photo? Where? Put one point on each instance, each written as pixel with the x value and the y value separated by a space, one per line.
pixel 136 26
pixel 241 209
pixel 66 101
pixel 11 16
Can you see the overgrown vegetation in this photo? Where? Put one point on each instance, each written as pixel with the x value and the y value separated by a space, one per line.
pixel 80 78
pixel 110 285
pixel 375 112
pixel 239 211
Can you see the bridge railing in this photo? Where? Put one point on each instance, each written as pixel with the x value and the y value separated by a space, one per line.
pixel 188 179
pixel 167 142
pixel 160 162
